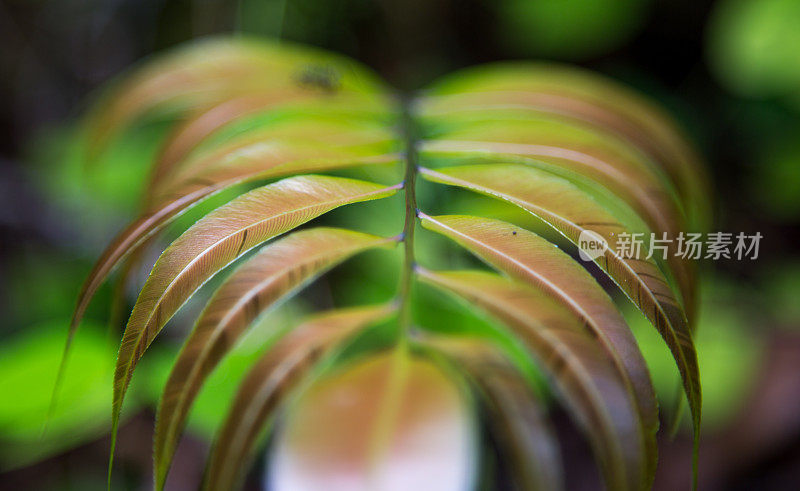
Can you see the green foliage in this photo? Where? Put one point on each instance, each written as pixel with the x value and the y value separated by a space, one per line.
pixel 304 138
pixel 780 288
pixel 776 183
pixel 753 47
pixel 574 29
pixel 28 364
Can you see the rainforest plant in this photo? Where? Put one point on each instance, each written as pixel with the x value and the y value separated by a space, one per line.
pixel 276 136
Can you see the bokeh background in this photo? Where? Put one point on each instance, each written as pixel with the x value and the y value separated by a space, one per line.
pixel 728 70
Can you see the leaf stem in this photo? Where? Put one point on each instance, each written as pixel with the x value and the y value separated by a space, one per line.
pixel 409 190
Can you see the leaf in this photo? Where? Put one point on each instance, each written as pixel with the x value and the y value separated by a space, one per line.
pixel 575 151
pixel 216 241
pixel 267 384
pixel 552 143
pixel 624 175
pixel 275 273
pixel 260 164
pixel 258 119
pixel 238 149
pixel 569 211
pixel 583 97
pixel 590 385
pixel 203 74
pixel 515 415
pixel 529 258
pixel 387 421
pixel 209 407
pixel 260 161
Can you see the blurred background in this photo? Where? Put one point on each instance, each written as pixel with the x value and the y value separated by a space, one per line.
pixel 728 70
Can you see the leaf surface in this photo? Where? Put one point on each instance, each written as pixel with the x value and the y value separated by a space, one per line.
pixel 259 163
pixel 201 75
pixel 529 258
pixel 217 240
pixel 276 272
pixel 571 212
pixel 585 96
pixel 591 387
pixel 625 177
pixel 252 118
